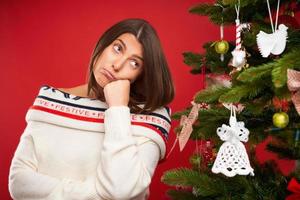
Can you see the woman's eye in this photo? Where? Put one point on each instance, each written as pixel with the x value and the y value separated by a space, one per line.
pixel 117 48
pixel 134 63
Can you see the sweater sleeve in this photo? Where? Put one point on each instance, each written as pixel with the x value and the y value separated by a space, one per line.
pixel 124 171
pixel 24 180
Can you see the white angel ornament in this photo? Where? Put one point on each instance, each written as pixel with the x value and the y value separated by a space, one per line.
pixel 232 158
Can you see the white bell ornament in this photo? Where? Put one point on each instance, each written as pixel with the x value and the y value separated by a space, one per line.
pixel 232 158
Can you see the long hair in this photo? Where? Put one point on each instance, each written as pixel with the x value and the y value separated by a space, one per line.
pixel 154 87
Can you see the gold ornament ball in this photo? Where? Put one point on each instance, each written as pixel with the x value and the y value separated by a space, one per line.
pixel 221 46
pixel 280 119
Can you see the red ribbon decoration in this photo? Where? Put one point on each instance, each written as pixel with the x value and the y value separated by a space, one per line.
pixel 281 104
pixel 294 187
pixel 293 84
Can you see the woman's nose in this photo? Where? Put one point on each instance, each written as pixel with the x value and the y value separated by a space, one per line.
pixel 118 63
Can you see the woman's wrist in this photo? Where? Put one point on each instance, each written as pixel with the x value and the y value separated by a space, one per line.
pixel 117 104
pixel 117 123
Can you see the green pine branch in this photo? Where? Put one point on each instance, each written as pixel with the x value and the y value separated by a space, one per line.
pixel 277 69
pixel 293 40
pixel 210 95
pixel 268 182
pixel 177 115
pixel 182 177
pixel 246 91
pixel 206 185
pixel 181 195
pixel 255 73
pixel 290 60
pixel 194 60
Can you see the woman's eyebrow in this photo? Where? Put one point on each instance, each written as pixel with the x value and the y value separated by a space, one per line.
pixel 125 47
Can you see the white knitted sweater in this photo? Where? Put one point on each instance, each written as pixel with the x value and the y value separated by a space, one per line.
pixel 76 148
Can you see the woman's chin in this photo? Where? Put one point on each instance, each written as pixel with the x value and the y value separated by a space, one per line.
pixel 101 81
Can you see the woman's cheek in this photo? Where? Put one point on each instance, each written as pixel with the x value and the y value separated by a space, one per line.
pixel 99 79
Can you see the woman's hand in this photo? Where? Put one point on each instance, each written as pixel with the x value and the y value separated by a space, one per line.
pixel 117 93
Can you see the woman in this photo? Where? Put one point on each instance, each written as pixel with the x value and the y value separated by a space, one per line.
pixel 103 139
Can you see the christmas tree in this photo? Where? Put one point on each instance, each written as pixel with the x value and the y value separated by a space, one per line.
pixel 254 81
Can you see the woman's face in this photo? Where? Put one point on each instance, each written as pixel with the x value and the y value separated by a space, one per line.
pixel 122 59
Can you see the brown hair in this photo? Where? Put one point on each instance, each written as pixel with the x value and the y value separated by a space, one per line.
pixel 154 87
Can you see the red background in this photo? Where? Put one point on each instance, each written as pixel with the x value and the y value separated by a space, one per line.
pixel 51 41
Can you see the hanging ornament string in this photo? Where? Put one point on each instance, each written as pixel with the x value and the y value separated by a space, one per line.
pixel 278 3
pixel 222 35
pixel 221 46
pixel 270 15
pixel 237 9
pixel 238 43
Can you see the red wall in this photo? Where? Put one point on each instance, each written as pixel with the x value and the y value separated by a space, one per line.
pixel 50 42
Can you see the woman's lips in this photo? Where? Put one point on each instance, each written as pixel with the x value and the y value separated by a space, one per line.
pixel 108 75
